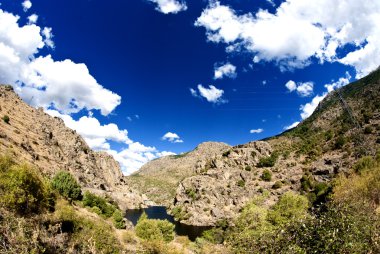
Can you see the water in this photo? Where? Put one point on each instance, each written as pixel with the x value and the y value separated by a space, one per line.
pixel 159 212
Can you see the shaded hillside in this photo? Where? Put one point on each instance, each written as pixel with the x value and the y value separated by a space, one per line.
pixel 304 159
pixel 159 178
pixel 30 135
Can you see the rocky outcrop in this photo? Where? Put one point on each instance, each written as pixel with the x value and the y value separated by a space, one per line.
pixel 41 140
pixel 159 178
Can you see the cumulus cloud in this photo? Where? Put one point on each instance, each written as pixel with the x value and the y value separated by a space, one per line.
pixel 42 81
pixel 299 31
pixel 26 5
pixel 226 70
pixel 170 6
pixel 302 89
pixel 98 137
pixel 256 131
pixel 172 137
pixel 211 94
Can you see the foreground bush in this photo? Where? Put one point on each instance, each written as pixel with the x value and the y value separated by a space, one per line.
pixel 23 190
pixel 67 186
pixel 149 229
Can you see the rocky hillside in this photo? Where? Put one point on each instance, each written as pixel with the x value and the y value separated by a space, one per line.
pixel 30 135
pixel 344 128
pixel 159 178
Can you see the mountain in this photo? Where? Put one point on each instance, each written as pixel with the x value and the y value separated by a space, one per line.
pixel 159 178
pixel 32 136
pixel 214 188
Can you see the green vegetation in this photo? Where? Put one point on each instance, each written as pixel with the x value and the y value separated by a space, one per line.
pixel 269 161
pixel 149 229
pixel 66 185
pixel 277 185
pixel 92 200
pixel 240 183
pixel 6 119
pixel 364 163
pixel 266 175
pixel 191 193
pixel 248 168
pixel 118 219
pixel 22 189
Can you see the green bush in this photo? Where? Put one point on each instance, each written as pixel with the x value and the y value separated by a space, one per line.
pixel 24 191
pixel 368 130
pixel 364 163
pixel 66 185
pixel 191 193
pixel 92 200
pixel 277 185
pixel 6 119
pixel 340 142
pixel 240 183
pixel 118 219
pixel 267 175
pixel 248 168
pixel 214 235
pixel 269 161
pixel 289 208
pixel 150 229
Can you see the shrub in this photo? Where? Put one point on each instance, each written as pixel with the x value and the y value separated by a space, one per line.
pixel 24 191
pixel 66 185
pixel 340 142
pixel 248 168
pixel 267 175
pixel 368 130
pixel 269 161
pixel 289 208
pixel 277 185
pixel 240 183
pixel 92 200
pixel 6 119
pixel 118 219
pixel 214 235
pixel 150 229
pixel 191 193
pixel 364 163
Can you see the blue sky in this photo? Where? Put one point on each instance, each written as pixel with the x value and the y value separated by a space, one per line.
pixel 144 78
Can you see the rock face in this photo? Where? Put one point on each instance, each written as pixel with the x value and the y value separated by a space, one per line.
pixel 304 159
pixel 159 178
pixel 37 138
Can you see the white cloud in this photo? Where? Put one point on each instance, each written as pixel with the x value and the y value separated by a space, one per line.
pixel 26 5
pixel 33 19
pixel 338 84
pixel 300 30
pixel 98 137
pixel 211 94
pixel 170 6
pixel 302 89
pixel 47 33
pixel 291 85
pixel 226 70
pixel 293 125
pixel 256 131
pixel 42 81
pixel 172 137
pixel 309 108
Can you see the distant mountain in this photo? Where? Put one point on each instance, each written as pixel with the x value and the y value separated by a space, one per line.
pixel 32 136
